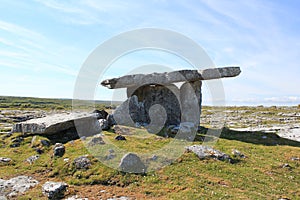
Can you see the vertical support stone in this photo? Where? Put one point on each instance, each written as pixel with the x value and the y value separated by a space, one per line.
pixel 191 99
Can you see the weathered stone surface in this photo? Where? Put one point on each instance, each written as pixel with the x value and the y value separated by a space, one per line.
pixel 120 137
pixel 54 190
pixel 104 124
pixel 97 140
pixel 167 78
pixel 132 163
pixel 59 150
pixel 31 159
pixel 83 122
pixel 190 99
pixel 204 152
pixel 82 162
pixel 16 186
pixel 167 97
pixel 5 160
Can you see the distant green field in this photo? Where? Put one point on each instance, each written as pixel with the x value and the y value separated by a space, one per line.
pixel 47 103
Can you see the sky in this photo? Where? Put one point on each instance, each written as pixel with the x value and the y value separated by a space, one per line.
pixel 44 43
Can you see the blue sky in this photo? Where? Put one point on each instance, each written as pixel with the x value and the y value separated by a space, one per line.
pixel 43 43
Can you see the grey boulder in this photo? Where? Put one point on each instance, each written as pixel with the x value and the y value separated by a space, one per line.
pixel 16 186
pixel 132 163
pixel 54 190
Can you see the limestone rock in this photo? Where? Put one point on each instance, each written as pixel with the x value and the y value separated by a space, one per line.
pixel 83 122
pixel 167 78
pixel 5 160
pixel 97 140
pixel 204 152
pixel 16 186
pixel 31 159
pixel 54 190
pixel 132 163
pixel 59 150
pixel 120 137
pixel 104 124
pixel 82 162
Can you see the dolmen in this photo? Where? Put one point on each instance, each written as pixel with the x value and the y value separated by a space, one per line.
pixel 155 100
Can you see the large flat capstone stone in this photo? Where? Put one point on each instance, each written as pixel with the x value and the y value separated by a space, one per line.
pixel 137 80
pixel 83 122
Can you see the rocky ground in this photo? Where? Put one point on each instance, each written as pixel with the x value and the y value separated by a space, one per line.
pixel 41 168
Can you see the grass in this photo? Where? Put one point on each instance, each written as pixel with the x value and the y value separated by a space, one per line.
pixel 258 176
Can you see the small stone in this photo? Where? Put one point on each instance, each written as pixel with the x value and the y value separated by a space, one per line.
pixel 285 165
pixel 96 141
pixel 66 159
pixel 5 160
pixel 110 156
pixel 111 151
pixel 82 162
pixel 295 158
pixel 45 143
pixel 264 137
pixel 39 151
pixel 59 150
pixel 237 153
pixel 54 190
pixel 132 163
pixel 120 137
pixel 154 157
pixel 31 159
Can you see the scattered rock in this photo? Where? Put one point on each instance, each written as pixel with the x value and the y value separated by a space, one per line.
pixel 119 198
pixel 76 198
pixel 31 159
pixel 295 158
pixel 237 153
pixel 59 150
pixel 82 162
pixel 100 114
pixel 104 124
pixel 16 186
pixel 286 165
pixel 39 151
pixel 16 142
pixel 54 190
pixel 154 157
pixel 120 137
pixel 110 156
pixel 204 152
pixel 132 163
pixel 45 143
pixel 5 160
pixel 98 140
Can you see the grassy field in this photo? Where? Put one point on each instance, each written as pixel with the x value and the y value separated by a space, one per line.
pixel 267 172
